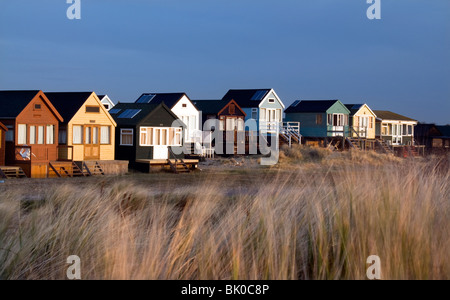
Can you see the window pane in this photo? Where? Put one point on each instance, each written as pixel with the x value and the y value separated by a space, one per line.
pixel 50 135
pixel 62 136
pixel 178 134
pixel 22 139
pixel 240 125
pixel 164 137
pixel 41 135
pixel 92 109
pixel 263 114
pixel 95 135
pixel 77 134
pixel 255 113
pixel 143 137
pixel 88 135
pixel 150 136
pixel 9 135
pixel 126 137
pixel 105 135
pixel 157 137
pixel 32 135
pixel 172 137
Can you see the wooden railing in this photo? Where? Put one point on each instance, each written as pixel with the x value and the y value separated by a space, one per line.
pixel 345 132
pixel 65 153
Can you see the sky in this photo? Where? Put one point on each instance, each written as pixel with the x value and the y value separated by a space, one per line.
pixel 304 49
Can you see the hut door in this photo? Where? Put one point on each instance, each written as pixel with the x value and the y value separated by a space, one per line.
pixel 161 149
pixel 397 134
pixel 91 142
pixel 363 125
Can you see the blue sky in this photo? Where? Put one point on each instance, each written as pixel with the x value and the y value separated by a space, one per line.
pixel 304 49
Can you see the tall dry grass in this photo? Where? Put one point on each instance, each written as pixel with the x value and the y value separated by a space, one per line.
pixel 286 225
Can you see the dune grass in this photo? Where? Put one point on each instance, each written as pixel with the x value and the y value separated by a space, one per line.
pixel 294 224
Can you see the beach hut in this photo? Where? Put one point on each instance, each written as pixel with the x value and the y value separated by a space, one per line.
pixel 33 129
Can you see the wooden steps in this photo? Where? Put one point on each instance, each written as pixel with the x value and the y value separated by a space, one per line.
pixel 92 169
pixel 12 172
pixel 385 147
pixel 354 143
pixel 65 169
pixel 178 166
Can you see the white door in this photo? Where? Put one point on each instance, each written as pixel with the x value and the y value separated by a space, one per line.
pixel 160 152
pixel 363 125
pixel 338 124
pixel 397 134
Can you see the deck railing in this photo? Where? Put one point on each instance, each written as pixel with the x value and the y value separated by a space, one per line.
pixel 65 153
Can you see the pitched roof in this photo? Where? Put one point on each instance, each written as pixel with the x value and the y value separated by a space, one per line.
pixel 12 103
pixel 388 115
pixel 142 111
pixel 210 107
pixel 169 99
pixel 246 98
pixel 310 106
pixel 68 104
pixel 354 108
pixel 3 127
pixel 444 130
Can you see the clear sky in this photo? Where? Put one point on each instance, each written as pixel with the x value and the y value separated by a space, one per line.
pixel 304 49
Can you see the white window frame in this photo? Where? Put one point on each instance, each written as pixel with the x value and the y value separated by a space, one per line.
pixel 178 131
pixel 132 136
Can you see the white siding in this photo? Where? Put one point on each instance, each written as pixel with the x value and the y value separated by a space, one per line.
pixel 190 116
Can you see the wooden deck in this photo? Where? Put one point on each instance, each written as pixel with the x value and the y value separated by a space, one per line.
pixel 176 166
pixel 158 162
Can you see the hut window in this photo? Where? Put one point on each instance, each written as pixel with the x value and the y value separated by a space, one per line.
pixel 62 136
pixel 105 135
pixel 263 114
pixel 184 105
pixel 151 136
pixel 232 109
pixel 37 107
pixel 95 133
pixel 410 130
pixel 32 135
pixel 77 135
pixel 126 137
pixel 106 106
pixel 371 122
pixel 22 138
pixel 254 113
pixel 178 135
pixel 319 119
pixel 41 131
pixel 9 137
pixel 92 109
pixel 50 134
pixel 241 124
